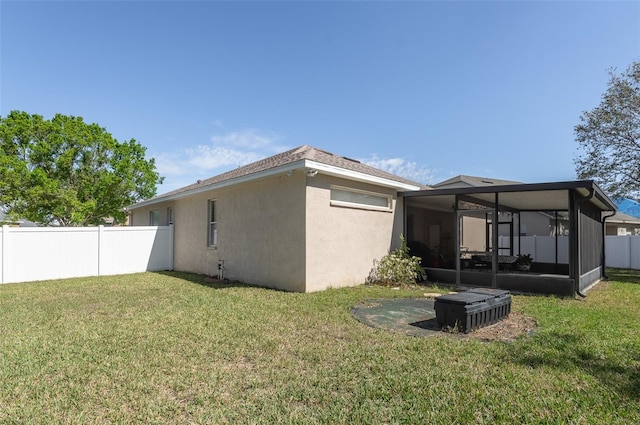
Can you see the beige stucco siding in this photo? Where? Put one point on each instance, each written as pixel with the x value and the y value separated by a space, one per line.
pixel 260 231
pixel 141 216
pixel 282 232
pixel 342 242
pixel 534 224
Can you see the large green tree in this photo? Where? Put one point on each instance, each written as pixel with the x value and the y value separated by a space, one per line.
pixel 67 172
pixel 609 137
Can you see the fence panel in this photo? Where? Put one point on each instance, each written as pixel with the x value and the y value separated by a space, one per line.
pixel 1 254
pixel 43 253
pixel 543 248
pixel 623 252
pixel 135 249
pixel 634 252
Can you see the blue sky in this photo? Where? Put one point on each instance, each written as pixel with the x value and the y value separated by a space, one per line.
pixel 427 90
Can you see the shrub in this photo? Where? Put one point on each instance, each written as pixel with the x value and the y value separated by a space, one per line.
pixel 396 268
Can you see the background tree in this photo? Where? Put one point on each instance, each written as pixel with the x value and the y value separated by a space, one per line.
pixel 609 137
pixel 64 171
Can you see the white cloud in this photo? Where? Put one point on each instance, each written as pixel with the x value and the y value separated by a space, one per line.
pixel 248 138
pixel 206 158
pixel 225 152
pixel 403 168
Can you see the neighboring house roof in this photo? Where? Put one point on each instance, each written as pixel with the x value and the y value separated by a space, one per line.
pixel 19 222
pixel 311 159
pixel 472 181
pixel 621 218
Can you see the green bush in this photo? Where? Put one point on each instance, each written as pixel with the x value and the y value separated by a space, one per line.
pixel 396 268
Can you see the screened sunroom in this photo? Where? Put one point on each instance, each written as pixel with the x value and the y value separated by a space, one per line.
pixel 543 238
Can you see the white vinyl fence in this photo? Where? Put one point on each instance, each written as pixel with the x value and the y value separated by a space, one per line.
pixel 41 253
pixel 622 251
pixel 541 248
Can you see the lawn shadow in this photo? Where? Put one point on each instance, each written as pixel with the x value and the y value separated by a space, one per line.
pixel 624 275
pixel 429 324
pixel 205 280
pixel 560 350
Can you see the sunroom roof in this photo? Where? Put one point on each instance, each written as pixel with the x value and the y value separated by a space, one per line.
pixel 517 197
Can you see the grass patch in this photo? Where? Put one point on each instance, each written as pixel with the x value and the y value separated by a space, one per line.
pixel 168 348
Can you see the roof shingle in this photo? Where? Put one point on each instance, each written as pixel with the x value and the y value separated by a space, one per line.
pixel 291 156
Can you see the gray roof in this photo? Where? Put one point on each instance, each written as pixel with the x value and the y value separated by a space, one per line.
pixel 622 218
pixel 473 181
pixel 289 157
pixel 20 222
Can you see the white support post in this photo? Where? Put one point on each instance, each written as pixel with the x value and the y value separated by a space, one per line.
pixel 171 248
pixel 5 251
pixel 100 240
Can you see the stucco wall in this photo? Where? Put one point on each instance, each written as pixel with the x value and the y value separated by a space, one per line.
pixel 342 242
pixel 534 224
pixel 260 232
pixel 474 234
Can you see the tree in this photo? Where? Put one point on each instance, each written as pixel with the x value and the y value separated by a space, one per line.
pixel 64 171
pixel 609 137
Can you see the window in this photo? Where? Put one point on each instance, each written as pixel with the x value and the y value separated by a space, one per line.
pixel 154 218
pixel 169 216
pixel 353 198
pixel 213 225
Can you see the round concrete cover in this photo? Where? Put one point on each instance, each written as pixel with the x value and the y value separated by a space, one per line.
pixel 410 316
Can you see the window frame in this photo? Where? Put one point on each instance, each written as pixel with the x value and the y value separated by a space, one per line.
pixel 359 205
pixel 169 216
pixel 154 218
pixel 212 224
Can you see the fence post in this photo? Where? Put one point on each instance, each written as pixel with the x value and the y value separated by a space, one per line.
pixel 171 247
pixel 5 243
pixel 100 230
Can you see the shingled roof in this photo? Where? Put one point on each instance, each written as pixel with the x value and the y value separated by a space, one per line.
pixel 292 156
pixel 473 181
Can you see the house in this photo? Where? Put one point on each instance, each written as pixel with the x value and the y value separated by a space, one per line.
pixel 303 220
pixel 306 220
pixel 4 220
pixel 622 225
pixel 527 223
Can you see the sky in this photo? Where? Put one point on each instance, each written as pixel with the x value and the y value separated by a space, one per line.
pixel 426 90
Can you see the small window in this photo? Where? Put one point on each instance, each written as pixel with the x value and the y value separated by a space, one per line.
pixel 213 225
pixel 154 218
pixel 169 216
pixel 353 198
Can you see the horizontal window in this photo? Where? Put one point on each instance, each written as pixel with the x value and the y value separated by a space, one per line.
pixel 353 198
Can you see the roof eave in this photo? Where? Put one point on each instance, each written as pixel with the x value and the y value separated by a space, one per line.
pixel 358 176
pixel 297 165
pixel 218 185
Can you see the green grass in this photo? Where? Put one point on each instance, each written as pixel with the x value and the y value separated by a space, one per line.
pixel 166 348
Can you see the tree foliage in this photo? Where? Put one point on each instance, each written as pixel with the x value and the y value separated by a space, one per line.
pixel 609 137
pixel 67 172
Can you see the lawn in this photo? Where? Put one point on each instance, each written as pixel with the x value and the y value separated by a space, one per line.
pixel 167 348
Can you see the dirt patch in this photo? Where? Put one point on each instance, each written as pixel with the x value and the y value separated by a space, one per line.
pixel 514 326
